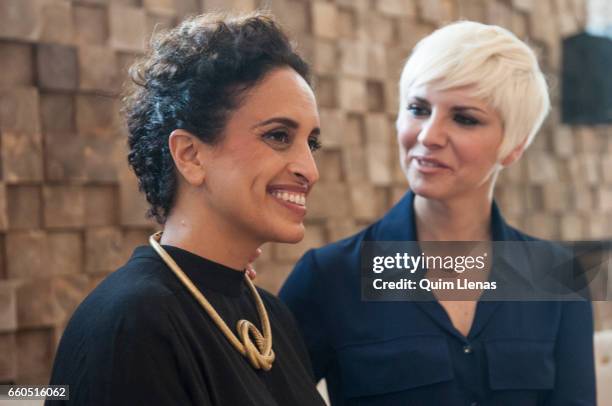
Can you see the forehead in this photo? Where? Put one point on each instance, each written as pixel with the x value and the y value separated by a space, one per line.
pixel 282 92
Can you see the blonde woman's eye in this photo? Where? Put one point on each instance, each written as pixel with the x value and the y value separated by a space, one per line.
pixel 417 110
pixel 466 120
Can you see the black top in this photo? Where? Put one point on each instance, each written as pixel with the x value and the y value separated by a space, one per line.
pixel 141 338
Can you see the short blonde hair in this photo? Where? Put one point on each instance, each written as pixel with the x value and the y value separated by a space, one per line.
pixel 502 70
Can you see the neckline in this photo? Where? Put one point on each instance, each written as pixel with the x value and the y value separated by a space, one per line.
pixel 205 274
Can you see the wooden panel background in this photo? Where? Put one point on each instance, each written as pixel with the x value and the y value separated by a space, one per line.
pixel 70 212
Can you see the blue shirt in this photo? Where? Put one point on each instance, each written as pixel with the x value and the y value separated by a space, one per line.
pixel 409 353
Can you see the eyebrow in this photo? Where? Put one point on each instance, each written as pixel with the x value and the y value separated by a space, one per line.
pixel 455 108
pixel 287 122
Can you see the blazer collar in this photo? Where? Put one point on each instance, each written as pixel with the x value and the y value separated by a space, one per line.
pixel 399 224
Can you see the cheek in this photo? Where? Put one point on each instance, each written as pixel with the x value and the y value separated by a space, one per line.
pixel 479 153
pixel 406 134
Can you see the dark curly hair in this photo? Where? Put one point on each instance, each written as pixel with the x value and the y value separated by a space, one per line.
pixel 192 78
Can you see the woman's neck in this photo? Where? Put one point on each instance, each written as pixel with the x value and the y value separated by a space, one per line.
pixel 205 237
pixel 458 219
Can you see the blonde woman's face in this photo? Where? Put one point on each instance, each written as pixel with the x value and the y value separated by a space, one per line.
pixel 448 142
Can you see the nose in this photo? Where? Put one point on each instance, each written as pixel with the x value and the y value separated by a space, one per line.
pixel 432 133
pixel 304 167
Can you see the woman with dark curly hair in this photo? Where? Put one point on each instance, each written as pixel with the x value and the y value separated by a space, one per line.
pixel 222 125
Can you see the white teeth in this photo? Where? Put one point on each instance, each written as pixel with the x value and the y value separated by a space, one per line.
pixel 427 163
pixel 295 198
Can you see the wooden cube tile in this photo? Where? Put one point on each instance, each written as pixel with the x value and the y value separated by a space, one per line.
pixel 101 205
pixel 98 69
pixel 325 59
pixel 572 227
pixel 292 14
pixel 474 10
pixel 376 96
pixel 364 201
pixel 328 200
pixel 36 304
pixel 396 8
pixel 352 94
pixel 498 13
pixel 391 92
pixel 379 28
pixel 8 357
pixel 28 254
pixel 20 19
pixel 57 23
pixel 135 237
pixel 186 8
pixel 353 58
pixel 24 205
pixel 91 25
pixel 324 17
pixel 236 6
pixel 64 253
pixel 22 157
pixel 325 90
pixel 128 27
pixel 3 207
pixel 333 122
pixel 329 163
pixel 35 352
pixel 377 62
pixel 97 115
pixel 103 249
pixel 378 129
pixel 409 33
pixel 606 168
pixel 155 24
pixel 541 169
pixel 70 290
pixel 354 164
pixel 57 112
pixel 272 275
pixel 378 159
pixel 314 237
pixel 348 25
pixel 436 12
pixel 93 2
pixel 557 197
pixel 64 206
pixel 57 67
pixel 159 6
pixel 19 110
pixel 64 157
pixel 8 307
pixel 339 228
pixel 99 156
pixel 17 64
pixel 132 204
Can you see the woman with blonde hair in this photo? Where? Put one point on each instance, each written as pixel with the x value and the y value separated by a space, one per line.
pixel 472 99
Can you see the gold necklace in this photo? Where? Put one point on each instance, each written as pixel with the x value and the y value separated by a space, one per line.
pixel 260 354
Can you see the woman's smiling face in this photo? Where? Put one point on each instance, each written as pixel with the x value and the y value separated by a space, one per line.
pixel 259 175
pixel 448 142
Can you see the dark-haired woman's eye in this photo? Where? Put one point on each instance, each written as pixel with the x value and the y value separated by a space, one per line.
pixel 279 138
pixel 418 110
pixel 314 143
pixel 466 120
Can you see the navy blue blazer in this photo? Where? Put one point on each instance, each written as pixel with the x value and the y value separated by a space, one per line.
pixel 409 353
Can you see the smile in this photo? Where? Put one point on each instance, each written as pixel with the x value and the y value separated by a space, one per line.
pixel 428 165
pixel 290 197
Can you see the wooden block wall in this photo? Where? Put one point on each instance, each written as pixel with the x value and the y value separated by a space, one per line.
pixel 70 212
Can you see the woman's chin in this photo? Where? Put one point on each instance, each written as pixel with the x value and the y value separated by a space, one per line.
pixel 289 234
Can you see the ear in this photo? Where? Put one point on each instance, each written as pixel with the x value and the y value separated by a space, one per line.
pixel 515 154
pixel 187 155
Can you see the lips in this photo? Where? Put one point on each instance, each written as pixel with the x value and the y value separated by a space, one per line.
pixel 429 164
